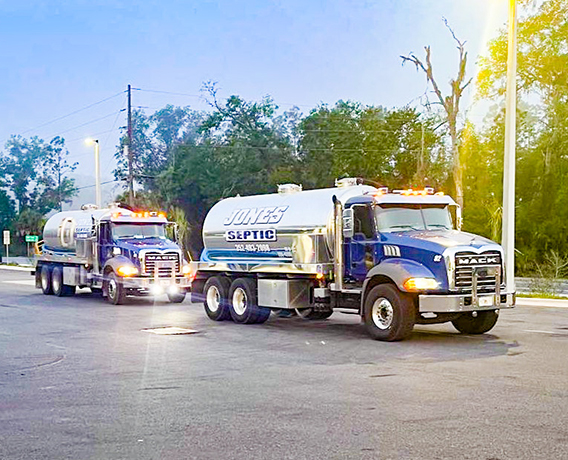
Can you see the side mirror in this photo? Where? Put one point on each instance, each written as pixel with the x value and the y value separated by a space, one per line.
pixel 348 223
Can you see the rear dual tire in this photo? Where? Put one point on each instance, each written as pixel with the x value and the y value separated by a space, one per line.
pixel 216 293
pixel 244 304
pixel 45 280
pixel 51 280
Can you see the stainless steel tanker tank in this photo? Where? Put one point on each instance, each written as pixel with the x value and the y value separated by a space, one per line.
pixel 284 232
pixel 62 229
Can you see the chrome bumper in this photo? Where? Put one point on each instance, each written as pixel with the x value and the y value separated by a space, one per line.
pixel 181 282
pixel 459 303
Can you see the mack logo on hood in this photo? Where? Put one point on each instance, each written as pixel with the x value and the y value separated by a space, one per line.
pixel 161 257
pixel 251 216
pixel 478 260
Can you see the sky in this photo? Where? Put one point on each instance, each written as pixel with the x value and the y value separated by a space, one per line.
pixel 66 64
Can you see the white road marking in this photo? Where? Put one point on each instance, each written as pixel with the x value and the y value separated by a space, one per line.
pixel 23 282
pixel 169 330
pixel 546 303
pixel 541 332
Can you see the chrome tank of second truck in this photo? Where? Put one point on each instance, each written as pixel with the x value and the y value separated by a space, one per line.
pixel 61 231
pixel 288 232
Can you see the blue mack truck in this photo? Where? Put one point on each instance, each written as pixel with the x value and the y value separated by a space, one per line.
pixel 114 251
pixel 395 258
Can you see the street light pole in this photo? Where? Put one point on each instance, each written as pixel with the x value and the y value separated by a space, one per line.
pixel 508 218
pixel 98 199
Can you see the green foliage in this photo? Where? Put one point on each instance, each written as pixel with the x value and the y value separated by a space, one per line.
pixel 35 172
pixel 541 148
pixel 242 148
pixel 154 139
pixel 7 210
pixel 383 146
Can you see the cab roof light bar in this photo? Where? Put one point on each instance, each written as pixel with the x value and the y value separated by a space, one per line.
pixel 424 192
pixel 139 215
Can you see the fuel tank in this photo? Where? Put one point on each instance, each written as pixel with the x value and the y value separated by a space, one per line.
pixel 290 227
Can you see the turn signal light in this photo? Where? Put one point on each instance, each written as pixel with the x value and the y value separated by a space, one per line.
pixel 187 272
pixel 420 284
pixel 127 270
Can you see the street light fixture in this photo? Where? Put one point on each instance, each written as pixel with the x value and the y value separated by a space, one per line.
pixel 98 198
pixel 508 218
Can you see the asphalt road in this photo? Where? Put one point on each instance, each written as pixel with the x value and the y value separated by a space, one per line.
pixel 82 379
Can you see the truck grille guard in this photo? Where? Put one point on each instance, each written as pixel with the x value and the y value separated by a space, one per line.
pixel 475 272
pixel 160 264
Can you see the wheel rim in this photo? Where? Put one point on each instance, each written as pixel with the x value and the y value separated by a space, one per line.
pixel 382 313
pixel 44 280
pixel 239 301
pixel 112 288
pixel 213 299
pixel 55 282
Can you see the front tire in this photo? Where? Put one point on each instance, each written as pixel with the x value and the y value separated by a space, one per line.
pixel 479 324
pixel 244 304
pixel 45 279
pixel 389 314
pixel 216 293
pixel 116 294
pixel 176 298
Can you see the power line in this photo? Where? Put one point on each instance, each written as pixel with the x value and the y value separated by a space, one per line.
pixel 85 124
pixel 102 183
pixel 168 92
pixel 73 113
pixel 106 141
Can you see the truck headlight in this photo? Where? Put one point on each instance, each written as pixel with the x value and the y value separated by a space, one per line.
pixel 186 270
pixel 420 284
pixel 127 270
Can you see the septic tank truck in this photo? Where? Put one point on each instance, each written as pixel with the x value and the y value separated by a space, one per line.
pixel 395 258
pixel 115 251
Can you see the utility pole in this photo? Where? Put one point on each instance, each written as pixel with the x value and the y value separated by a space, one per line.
pixel 129 146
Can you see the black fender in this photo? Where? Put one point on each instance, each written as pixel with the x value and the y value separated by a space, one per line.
pixel 394 271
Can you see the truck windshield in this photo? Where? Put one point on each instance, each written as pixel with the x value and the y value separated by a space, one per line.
pixel 138 231
pixel 398 218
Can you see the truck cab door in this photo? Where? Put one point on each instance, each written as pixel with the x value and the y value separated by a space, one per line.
pixel 105 244
pixel 363 242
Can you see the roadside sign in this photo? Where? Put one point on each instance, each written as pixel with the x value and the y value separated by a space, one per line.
pixel 32 238
pixel 6 235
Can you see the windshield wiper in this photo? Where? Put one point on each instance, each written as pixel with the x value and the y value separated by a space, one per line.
pixel 445 227
pixel 404 226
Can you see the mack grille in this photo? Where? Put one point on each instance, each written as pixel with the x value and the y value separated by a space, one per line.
pixel 467 261
pixel 166 264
